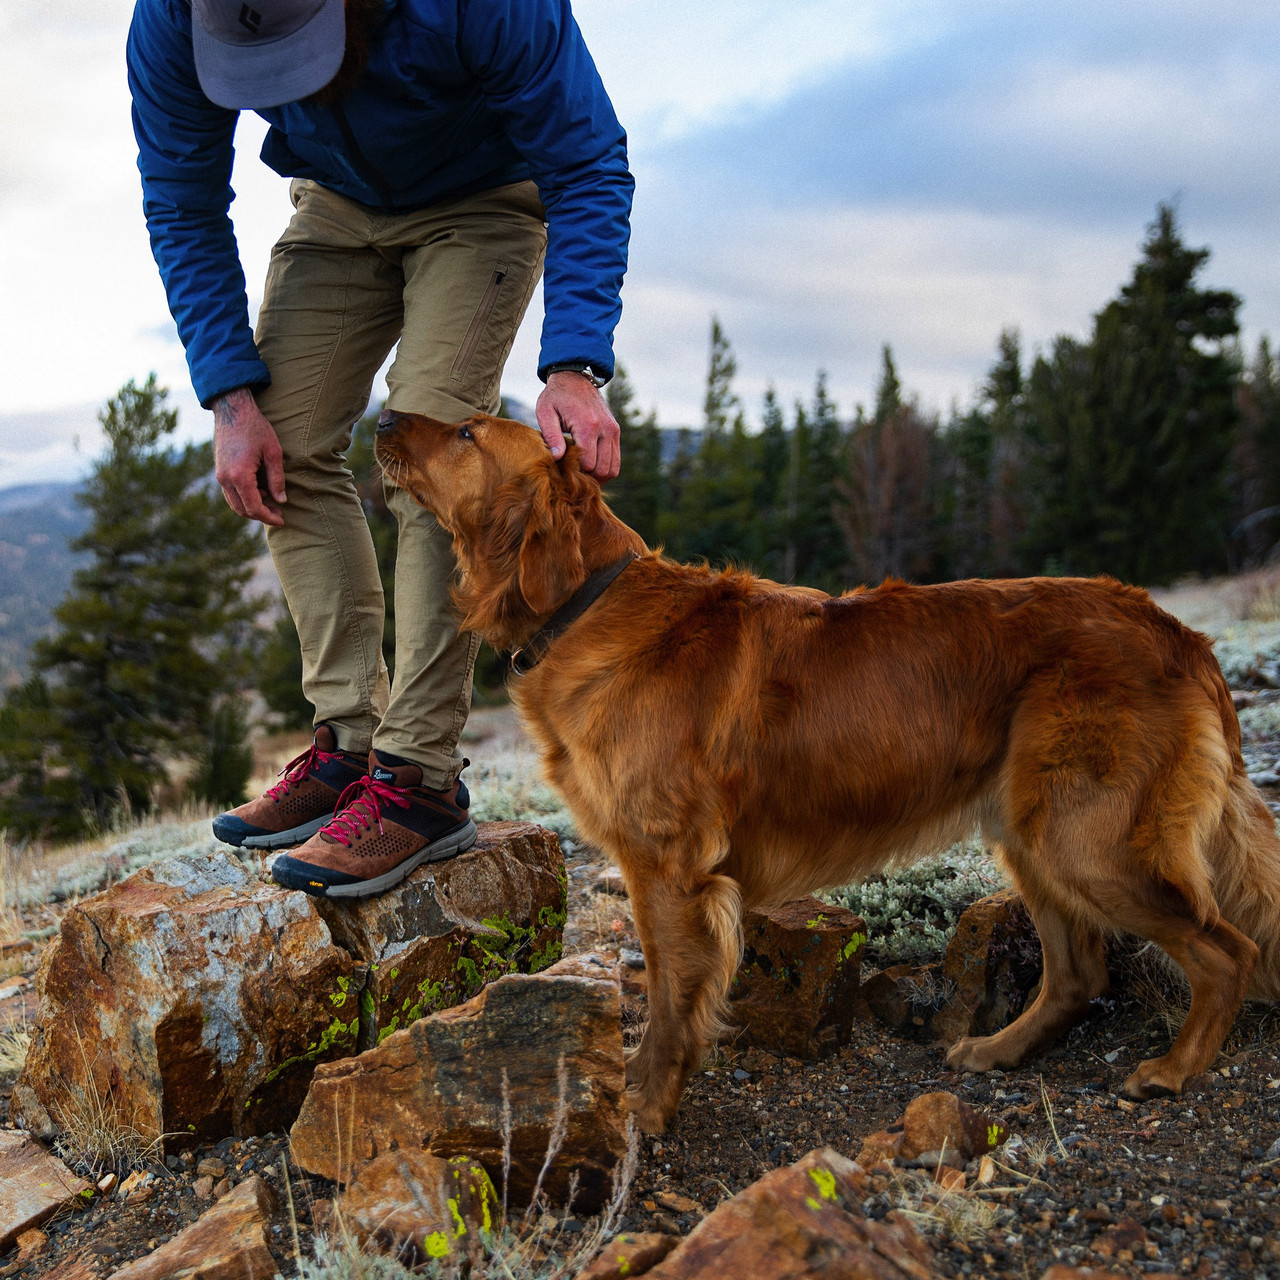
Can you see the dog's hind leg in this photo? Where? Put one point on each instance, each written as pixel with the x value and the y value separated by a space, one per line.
pixel 692 940
pixel 1219 961
pixel 1075 972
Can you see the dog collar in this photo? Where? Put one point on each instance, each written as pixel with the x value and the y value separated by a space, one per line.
pixel 524 659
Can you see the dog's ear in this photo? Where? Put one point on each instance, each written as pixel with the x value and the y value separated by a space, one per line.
pixel 551 553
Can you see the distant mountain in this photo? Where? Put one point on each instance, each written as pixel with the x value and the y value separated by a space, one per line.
pixel 37 521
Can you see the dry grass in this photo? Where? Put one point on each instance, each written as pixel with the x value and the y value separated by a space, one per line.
pixel 959 1215
pixel 11 925
pixel 95 1138
pixel 14 1043
pixel 598 922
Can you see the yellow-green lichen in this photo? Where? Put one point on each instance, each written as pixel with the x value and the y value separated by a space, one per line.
pixel 855 941
pixel 335 1035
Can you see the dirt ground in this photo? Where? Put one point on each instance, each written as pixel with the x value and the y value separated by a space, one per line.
pixel 1181 1186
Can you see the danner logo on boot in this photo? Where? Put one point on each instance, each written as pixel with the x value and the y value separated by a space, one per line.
pixel 383 775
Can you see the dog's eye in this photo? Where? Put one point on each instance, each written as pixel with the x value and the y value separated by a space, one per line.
pixel 464 433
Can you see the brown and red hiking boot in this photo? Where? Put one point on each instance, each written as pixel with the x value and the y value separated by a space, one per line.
pixel 386 824
pixel 300 803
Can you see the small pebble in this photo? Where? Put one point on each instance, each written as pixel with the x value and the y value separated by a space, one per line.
pixel 631 958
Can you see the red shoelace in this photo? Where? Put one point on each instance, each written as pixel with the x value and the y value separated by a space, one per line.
pixel 360 806
pixel 298 769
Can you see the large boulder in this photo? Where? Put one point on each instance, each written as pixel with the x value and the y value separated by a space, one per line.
pixel 527 1056
pixel 195 1001
pixel 436 939
pixel 801 1221
pixel 189 999
pixel 797 987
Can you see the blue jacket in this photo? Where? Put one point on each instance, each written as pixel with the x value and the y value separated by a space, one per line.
pixel 459 96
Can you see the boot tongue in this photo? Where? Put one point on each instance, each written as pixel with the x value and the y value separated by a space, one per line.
pixel 325 738
pixel 402 775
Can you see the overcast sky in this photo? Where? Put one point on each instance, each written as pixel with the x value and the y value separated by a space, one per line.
pixel 825 175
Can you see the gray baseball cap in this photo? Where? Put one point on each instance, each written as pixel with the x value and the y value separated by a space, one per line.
pixel 262 53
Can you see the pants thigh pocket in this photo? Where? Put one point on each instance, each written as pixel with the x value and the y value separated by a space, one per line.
pixel 479 322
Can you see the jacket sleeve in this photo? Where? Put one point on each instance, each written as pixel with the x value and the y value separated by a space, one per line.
pixel 185 154
pixel 535 71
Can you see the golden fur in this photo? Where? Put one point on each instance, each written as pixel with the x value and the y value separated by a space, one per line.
pixel 731 742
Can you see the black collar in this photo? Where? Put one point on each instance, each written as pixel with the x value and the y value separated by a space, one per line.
pixel 524 659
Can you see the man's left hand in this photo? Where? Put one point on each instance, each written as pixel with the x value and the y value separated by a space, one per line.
pixel 571 406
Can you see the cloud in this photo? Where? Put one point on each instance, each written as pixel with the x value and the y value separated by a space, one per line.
pixel 825 176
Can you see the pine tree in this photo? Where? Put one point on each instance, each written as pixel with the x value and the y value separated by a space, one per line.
pixel 1137 428
pixel 154 632
pixel 981 499
pixel 716 515
pixel 885 513
pixel 1256 461
pixel 635 494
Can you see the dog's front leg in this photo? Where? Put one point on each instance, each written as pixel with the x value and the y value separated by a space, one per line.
pixel 692 938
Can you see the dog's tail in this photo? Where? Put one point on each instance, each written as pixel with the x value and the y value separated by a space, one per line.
pixel 1245 860
pixel 1244 850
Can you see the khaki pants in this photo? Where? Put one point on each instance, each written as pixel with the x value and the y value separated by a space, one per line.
pixel 451 283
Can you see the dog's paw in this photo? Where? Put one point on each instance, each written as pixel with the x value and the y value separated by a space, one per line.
pixel 649 1117
pixel 976 1053
pixel 1155 1078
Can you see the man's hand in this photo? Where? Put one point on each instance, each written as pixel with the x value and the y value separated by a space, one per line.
pixel 571 406
pixel 247 460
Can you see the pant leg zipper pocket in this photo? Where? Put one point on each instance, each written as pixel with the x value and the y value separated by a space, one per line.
pixel 475 331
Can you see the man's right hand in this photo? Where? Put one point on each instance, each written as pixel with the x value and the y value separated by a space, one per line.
pixel 247 459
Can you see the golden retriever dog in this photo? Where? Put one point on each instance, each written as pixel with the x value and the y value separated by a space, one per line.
pixel 733 743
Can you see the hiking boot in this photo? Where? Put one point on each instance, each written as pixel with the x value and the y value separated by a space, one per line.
pixel 386 824
pixel 300 803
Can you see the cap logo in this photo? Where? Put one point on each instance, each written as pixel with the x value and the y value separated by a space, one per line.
pixel 250 19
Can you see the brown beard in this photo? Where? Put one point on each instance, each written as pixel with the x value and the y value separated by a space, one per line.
pixel 364 19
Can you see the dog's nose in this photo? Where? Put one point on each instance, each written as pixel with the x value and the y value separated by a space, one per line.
pixel 387 420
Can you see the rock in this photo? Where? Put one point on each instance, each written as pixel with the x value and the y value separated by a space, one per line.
pixel 193 997
pixel 33 1186
pixel 801 1221
pixel 949 1179
pixel 936 1125
pixel 211 1167
pixel 450 927
pixel 629 1254
pixel 881 1148
pixel 31 1242
pixel 678 1203
pixel 798 983
pixel 610 881
pixel 137 1182
pixel 227 1242
pixel 78 1267
pixel 1125 1237
pixel 992 963
pixel 420 1208
pixel 203 1188
pixel 199 1000
pixel 1060 1271
pixel 901 993
pixel 438 1085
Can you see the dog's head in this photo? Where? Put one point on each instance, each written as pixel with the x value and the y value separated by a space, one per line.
pixel 527 528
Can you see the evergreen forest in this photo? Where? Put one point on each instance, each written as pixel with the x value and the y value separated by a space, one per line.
pixel 1149 451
